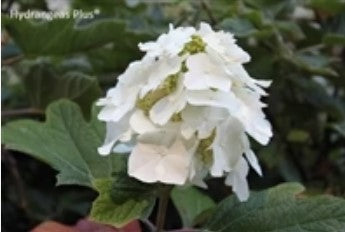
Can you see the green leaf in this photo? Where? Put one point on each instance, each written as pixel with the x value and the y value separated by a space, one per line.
pixel 112 59
pixel 298 136
pixel 329 6
pixel 272 8
pixel 190 203
pixel 9 50
pixel 69 144
pixel 240 27
pixel 292 29
pixel 45 84
pixel 66 142
pixel 126 188
pixel 316 95
pixel 336 30
pixel 66 36
pixel 334 39
pixel 340 127
pixel 315 63
pixel 288 169
pixel 279 209
pixel 107 209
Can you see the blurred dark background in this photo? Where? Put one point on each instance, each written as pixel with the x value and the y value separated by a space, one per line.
pixel 298 44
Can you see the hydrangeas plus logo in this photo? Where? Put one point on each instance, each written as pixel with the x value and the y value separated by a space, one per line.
pixel 50 15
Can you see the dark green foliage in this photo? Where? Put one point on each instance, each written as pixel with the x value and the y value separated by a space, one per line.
pixel 45 61
pixel 279 209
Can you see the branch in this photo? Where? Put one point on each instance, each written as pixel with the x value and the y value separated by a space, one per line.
pixel 12 60
pixel 17 180
pixel 162 207
pixel 185 230
pixel 149 225
pixel 208 12
pixel 22 112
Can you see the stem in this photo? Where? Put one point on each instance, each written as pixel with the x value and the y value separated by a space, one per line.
pixel 22 112
pixel 11 162
pixel 149 225
pixel 185 230
pixel 209 13
pixel 12 60
pixel 162 207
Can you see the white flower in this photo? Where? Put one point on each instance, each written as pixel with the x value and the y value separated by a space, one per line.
pixel 301 12
pixel 161 156
pixel 227 146
pixel 169 44
pixel 59 5
pixel 152 163
pixel 201 120
pixel 205 73
pixel 188 106
pixel 222 45
pixel 163 110
pixel 237 178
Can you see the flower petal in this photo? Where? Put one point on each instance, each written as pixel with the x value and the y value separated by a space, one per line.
pixel 164 109
pixel 142 161
pixel 115 113
pixel 174 167
pixel 213 98
pixel 223 44
pixel 237 178
pixel 152 163
pixel 253 118
pixel 250 155
pixel 140 123
pixel 227 147
pixel 162 68
pixel 197 173
pixel 202 119
pixel 203 73
pixel 170 43
pixel 114 131
pixel 253 161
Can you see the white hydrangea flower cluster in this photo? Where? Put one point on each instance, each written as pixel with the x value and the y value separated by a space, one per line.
pixel 188 105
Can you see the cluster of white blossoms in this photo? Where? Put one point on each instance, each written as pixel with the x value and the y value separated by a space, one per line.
pixel 188 104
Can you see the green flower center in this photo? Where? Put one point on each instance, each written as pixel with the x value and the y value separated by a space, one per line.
pixel 196 45
pixel 169 85
pixel 204 149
